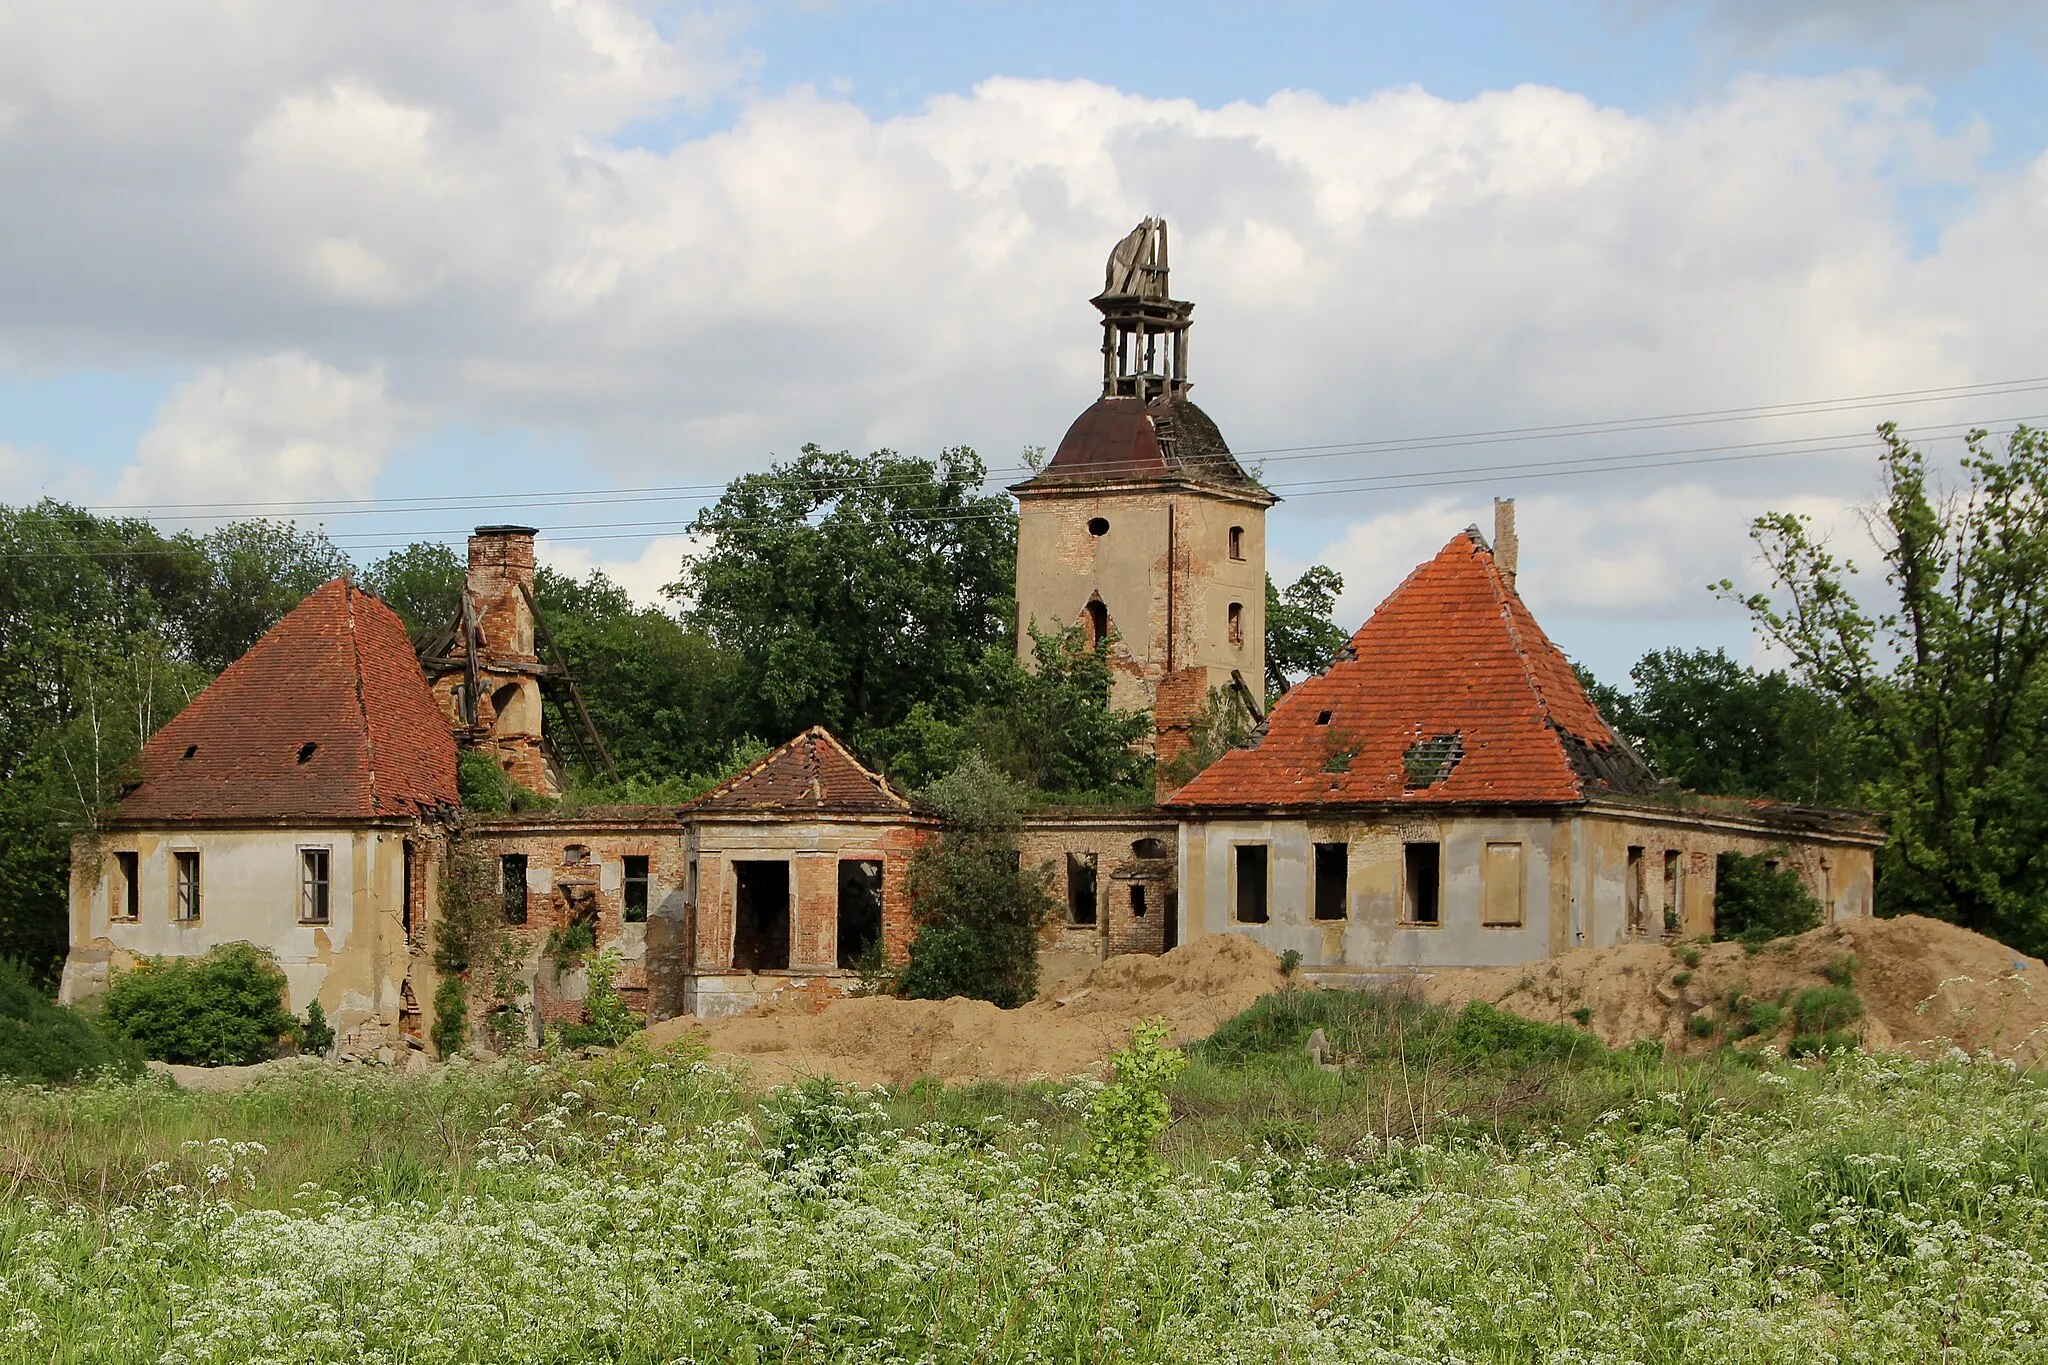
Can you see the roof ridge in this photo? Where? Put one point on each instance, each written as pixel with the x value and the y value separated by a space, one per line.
pixel 355 659
pixel 1501 593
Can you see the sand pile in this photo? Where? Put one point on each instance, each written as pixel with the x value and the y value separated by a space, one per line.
pixel 1925 985
pixel 879 1040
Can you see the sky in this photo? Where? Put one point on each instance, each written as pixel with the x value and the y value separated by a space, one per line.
pixel 1650 267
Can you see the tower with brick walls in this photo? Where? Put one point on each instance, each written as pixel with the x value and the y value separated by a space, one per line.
pixel 484 668
pixel 1143 528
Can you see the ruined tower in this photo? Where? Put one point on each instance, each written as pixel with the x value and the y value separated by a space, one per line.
pixel 484 668
pixel 1143 528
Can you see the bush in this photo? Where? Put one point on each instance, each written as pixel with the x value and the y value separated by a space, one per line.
pixel 1824 1009
pixel 1755 903
pixel 1128 1114
pixel 43 1041
pixel 451 1016
pixel 471 908
pixel 1700 1025
pixel 606 1020
pixel 223 1009
pixel 976 909
pixel 316 1035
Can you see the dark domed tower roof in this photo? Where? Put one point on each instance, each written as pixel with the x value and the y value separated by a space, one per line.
pixel 1119 439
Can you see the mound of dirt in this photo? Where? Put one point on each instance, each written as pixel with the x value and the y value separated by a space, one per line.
pixel 1925 985
pixel 879 1040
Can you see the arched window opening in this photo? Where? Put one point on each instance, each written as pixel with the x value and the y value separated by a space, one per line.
pixel 1237 624
pixel 1098 626
pixel 1237 542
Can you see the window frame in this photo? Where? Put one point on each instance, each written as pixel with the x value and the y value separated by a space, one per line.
pixel 1091 861
pixel 1410 918
pixel 183 882
pixel 644 880
pixel 1521 847
pixel 1237 882
pixel 506 862
pixel 128 865
pixel 1236 543
pixel 1315 899
pixel 316 890
pixel 1233 617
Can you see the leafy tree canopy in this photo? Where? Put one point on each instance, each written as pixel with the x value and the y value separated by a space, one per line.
pixel 422 583
pixel 1946 684
pixel 1301 636
pixel 850 588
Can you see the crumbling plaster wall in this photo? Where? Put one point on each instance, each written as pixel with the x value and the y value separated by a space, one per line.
pixel 1573 894
pixel 1157 536
pixel 356 964
pixel 814 848
pixel 1067 948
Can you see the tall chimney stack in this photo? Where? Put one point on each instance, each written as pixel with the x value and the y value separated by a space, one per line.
pixel 1507 549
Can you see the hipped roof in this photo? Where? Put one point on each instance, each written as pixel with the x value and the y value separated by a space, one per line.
pixel 1450 693
pixel 811 774
pixel 325 718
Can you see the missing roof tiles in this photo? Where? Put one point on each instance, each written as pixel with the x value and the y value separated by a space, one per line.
pixel 306 750
pixel 1429 761
pixel 1323 717
pixel 191 749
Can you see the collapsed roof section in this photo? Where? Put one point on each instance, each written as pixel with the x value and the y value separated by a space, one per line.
pixel 1450 693
pixel 324 718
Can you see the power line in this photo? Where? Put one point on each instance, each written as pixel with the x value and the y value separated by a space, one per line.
pixel 1273 454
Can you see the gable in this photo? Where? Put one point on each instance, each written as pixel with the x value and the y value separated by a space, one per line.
pixel 811 774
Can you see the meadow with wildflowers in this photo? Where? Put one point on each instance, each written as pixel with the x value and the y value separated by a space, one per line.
pixel 646 1208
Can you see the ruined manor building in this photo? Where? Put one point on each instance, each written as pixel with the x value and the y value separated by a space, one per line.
pixel 1443 794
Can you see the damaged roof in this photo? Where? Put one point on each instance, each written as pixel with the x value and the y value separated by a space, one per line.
pixel 1119 439
pixel 811 774
pixel 326 717
pixel 1450 693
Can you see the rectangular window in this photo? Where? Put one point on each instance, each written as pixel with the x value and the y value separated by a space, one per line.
pixel 860 909
pixel 1674 891
pixel 408 900
pixel 1081 891
pixel 1251 884
pixel 313 888
pixel 1333 869
pixel 1502 884
pixel 1237 542
pixel 1421 865
pixel 760 933
pixel 1632 893
pixel 1137 901
pixel 124 898
pixel 636 889
pixel 512 886
pixel 185 886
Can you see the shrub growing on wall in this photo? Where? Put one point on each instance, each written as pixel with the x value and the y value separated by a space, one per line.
pixel 223 1009
pixel 976 909
pixel 1755 902
pixel 471 908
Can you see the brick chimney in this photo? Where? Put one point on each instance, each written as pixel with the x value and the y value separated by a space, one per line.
pixel 508 701
pixel 500 564
pixel 1507 549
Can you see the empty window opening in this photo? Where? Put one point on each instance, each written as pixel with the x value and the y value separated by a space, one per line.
pixel 185 886
pixel 1429 761
pixel 1098 526
pixel 503 698
pixel 1237 542
pixel 1501 886
pixel 860 909
pixel 1237 623
pixel 1323 717
pixel 127 897
pixel 1137 901
pixel 1632 889
pixel 1333 870
pixel 408 896
pixel 635 889
pixel 1098 625
pixel 191 749
pixel 1081 888
pixel 306 750
pixel 1251 884
pixel 760 928
pixel 1150 848
pixel 313 866
pixel 512 886
pixel 1421 865
pixel 1674 891
pixel 1169 928
pixel 574 855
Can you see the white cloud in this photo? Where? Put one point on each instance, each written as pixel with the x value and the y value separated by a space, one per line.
pixel 643 576
pixel 282 428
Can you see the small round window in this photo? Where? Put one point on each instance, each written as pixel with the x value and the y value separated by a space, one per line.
pixel 1098 526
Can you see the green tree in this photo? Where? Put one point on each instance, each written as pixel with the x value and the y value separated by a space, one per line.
pixel 977 911
pixel 1946 685
pixel 1713 725
pixel 223 1009
pixel 849 588
pixel 1301 633
pixel 422 583
pixel 257 571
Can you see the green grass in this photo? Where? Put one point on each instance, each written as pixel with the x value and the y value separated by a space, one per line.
pixel 1466 1185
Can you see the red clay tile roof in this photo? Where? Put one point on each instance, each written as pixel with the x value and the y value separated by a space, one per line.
pixel 1450 693
pixel 326 717
pixel 811 773
pixel 1122 439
